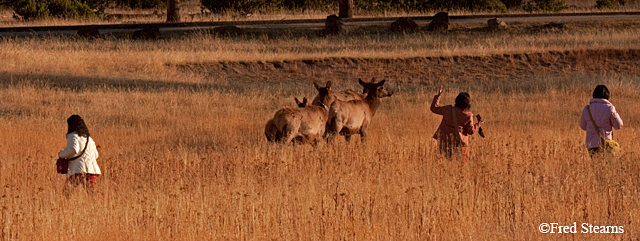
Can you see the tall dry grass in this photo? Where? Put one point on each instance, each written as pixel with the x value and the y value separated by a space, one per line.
pixel 182 162
pixel 189 165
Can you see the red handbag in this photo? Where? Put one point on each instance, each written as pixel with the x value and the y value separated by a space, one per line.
pixel 62 165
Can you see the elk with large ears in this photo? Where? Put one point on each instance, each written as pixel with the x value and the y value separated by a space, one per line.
pixel 326 96
pixel 302 103
pixel 353 117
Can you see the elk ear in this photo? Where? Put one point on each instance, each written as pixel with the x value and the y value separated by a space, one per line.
pixel 297 101
pixel 316 85
pixel 373 80
pixel 328 84
pixel 381 83
pixel 361 82
pixel 304 101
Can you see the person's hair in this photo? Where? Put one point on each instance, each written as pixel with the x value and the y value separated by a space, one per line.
pixel 76 124
pixel 601 92
pixel 463 101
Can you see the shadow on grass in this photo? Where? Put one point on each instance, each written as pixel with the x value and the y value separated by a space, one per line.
pixel 82 83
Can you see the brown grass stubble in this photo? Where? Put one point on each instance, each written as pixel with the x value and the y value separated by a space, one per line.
pixel 190 165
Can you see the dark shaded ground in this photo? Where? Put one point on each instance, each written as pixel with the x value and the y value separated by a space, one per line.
pixel 249 76
pixel 430 70
pixel 82 83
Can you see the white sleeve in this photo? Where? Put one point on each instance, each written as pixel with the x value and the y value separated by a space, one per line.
pixel 73 148
pixel 96 147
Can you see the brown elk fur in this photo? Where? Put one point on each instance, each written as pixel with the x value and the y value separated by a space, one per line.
pixel 271 131
pixel 305 124
pixel 353 117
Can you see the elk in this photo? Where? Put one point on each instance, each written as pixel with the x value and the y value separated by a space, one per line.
pixel 271 131
pixel 353 117
pixel 305 124
pixel 326 96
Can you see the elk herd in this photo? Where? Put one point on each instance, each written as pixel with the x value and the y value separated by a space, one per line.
pixel 330 113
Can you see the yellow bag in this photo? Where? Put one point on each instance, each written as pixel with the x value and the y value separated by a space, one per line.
pixel 609 146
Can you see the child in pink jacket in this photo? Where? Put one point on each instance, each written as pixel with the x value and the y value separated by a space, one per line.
pixel 605 116
pixel 447 135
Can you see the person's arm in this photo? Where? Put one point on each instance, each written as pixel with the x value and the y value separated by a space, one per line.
pixel 584 119
pixel 73 148
pixel 97 154
pixel 435 104
pixel 469 127
pixel 616 121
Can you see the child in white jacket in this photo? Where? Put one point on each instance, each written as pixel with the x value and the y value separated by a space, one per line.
pixel 83 169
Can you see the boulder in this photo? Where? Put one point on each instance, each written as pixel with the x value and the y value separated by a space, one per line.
pixel 404 24
pixel 334 25
pixel 440 22
pixel 147 33
pixel 496 24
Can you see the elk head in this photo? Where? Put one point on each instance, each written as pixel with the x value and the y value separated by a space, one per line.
pixel 375 90
pixel 325 95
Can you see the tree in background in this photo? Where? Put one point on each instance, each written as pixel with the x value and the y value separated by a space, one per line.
pixel 36 9
pixel 605 4
pixel 144 4
pixel 173 11
pixel 544 6
pixel 245 6
pixel 430 5
pixel 510 4
pixel 611 4
pixel 40 9
pixel 346 9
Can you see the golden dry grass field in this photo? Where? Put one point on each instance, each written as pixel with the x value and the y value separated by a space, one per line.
pixel 179 124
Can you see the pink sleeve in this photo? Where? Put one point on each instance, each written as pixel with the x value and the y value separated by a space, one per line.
pixel 584 119
pixel 616 121
pixel 469 127
pixel 435 108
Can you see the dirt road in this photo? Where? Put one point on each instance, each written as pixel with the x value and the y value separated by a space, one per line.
pixel 170 29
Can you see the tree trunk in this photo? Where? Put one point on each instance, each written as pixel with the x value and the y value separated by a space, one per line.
pixel 173 11
pixel 346 9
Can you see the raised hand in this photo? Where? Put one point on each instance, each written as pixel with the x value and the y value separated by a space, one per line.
pixel 480 120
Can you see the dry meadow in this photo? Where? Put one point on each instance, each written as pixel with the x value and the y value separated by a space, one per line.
pixel 184 157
